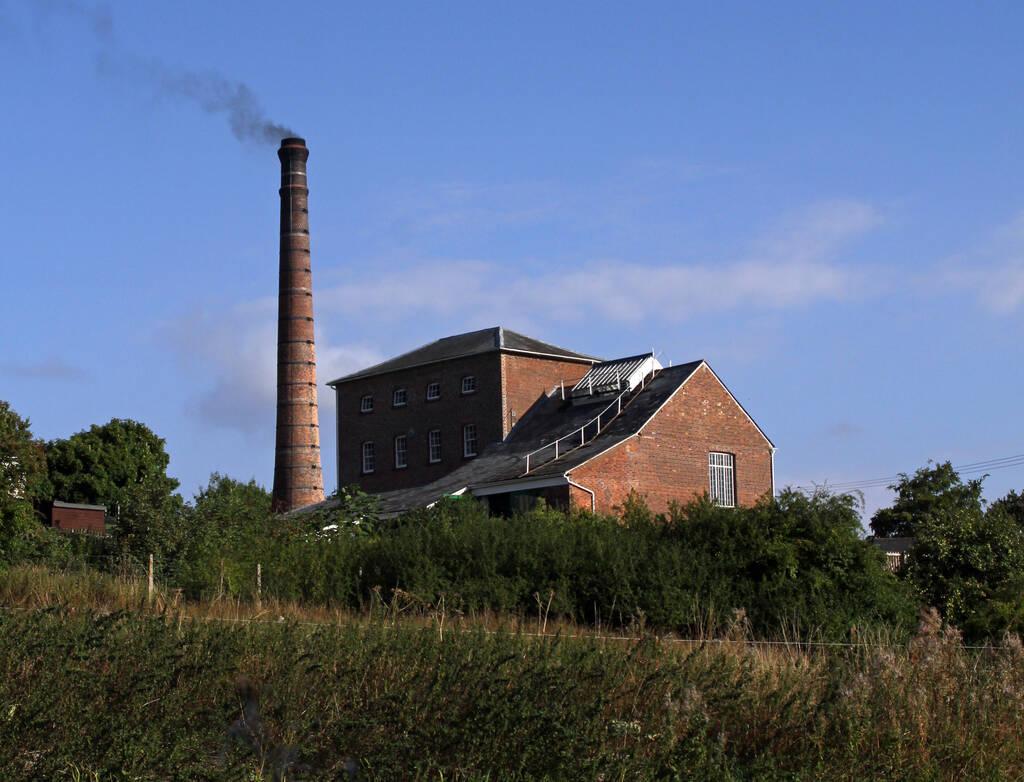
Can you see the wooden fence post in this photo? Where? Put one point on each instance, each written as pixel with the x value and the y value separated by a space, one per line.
pixel 149 581
pixel 259 586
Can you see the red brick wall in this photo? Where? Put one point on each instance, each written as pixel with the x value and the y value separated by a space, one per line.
pixel 527 378
pixel 668 460
pixel 449 414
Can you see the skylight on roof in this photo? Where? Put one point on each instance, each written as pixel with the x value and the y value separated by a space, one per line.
pixel 614 377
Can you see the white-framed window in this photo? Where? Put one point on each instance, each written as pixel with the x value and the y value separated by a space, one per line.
pixel 401 452
pixel 434 445
pixel 366 404
pixel 399 397
pixel 469 440
pixel 433 391
pixel 469 384
pixel 722 474
pixel 369 458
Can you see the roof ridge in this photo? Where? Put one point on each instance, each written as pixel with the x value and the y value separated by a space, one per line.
pixel 494 338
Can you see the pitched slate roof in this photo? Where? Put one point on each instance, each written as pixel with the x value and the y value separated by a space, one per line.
pixel 469 344
pixel 549 419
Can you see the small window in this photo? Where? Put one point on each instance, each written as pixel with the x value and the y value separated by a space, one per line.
pixel 721 468
pixel 369 458
pixel 366 404
pixel 469 384
pixel 469 440
pixel 399 398
pixel 434 445
pixel 401 452
pixel 433 392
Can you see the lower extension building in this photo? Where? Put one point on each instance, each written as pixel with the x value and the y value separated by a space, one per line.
pixel 512 420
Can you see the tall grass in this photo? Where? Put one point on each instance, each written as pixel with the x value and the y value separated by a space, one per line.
pixel 129 696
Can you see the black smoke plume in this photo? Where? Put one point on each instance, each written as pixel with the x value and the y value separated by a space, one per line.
pixel 208 90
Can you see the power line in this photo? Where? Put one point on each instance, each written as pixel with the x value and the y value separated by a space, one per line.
pixel 970 468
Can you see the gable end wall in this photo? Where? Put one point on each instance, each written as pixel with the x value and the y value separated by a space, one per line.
pixel 668 460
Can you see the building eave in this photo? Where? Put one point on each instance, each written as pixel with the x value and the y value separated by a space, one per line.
pixel 517 484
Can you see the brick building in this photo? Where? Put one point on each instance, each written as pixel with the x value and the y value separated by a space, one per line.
pixel 75 517
pixel 509 419
pixel 417 417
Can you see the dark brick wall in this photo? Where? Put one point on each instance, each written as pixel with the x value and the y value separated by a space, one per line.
pixel 528 378
pixel 507 385
pixel 669 459
pixel 78 520
pixel 449 414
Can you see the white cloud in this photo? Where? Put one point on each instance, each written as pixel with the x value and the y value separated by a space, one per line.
pixel 819 231
pixel 233 355
pixel 792 266
pixel 52 368
pixel 995 270
pixel 1002 289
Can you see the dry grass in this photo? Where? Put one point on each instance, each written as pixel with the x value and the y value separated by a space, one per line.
pixel 411 691
pixel 32 587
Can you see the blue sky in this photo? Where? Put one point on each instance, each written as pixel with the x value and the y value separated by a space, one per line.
pixel 822 200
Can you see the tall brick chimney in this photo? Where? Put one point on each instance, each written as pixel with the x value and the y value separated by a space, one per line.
pixel 298 479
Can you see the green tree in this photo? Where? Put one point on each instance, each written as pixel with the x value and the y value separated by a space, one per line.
pixel 966 561
pixel 1013 504
pixel 225 498
pixel 122 465
pixel 23 483
pixel 932 491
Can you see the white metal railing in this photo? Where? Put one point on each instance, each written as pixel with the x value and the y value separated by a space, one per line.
pixel 578 437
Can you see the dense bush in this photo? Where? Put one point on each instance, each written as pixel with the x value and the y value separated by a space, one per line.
pixel 124 697
pixel 795 564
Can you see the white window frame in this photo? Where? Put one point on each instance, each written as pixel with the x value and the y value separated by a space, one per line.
pixel 395 397
pixel 436 388
pixel 366 403
pixel 469 384
pixel 369 454
pixel 434 446
pixel 469 441
pixel 722 479
pixel 401 452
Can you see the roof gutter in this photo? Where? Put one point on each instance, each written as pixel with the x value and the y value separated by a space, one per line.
pixel 517 484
